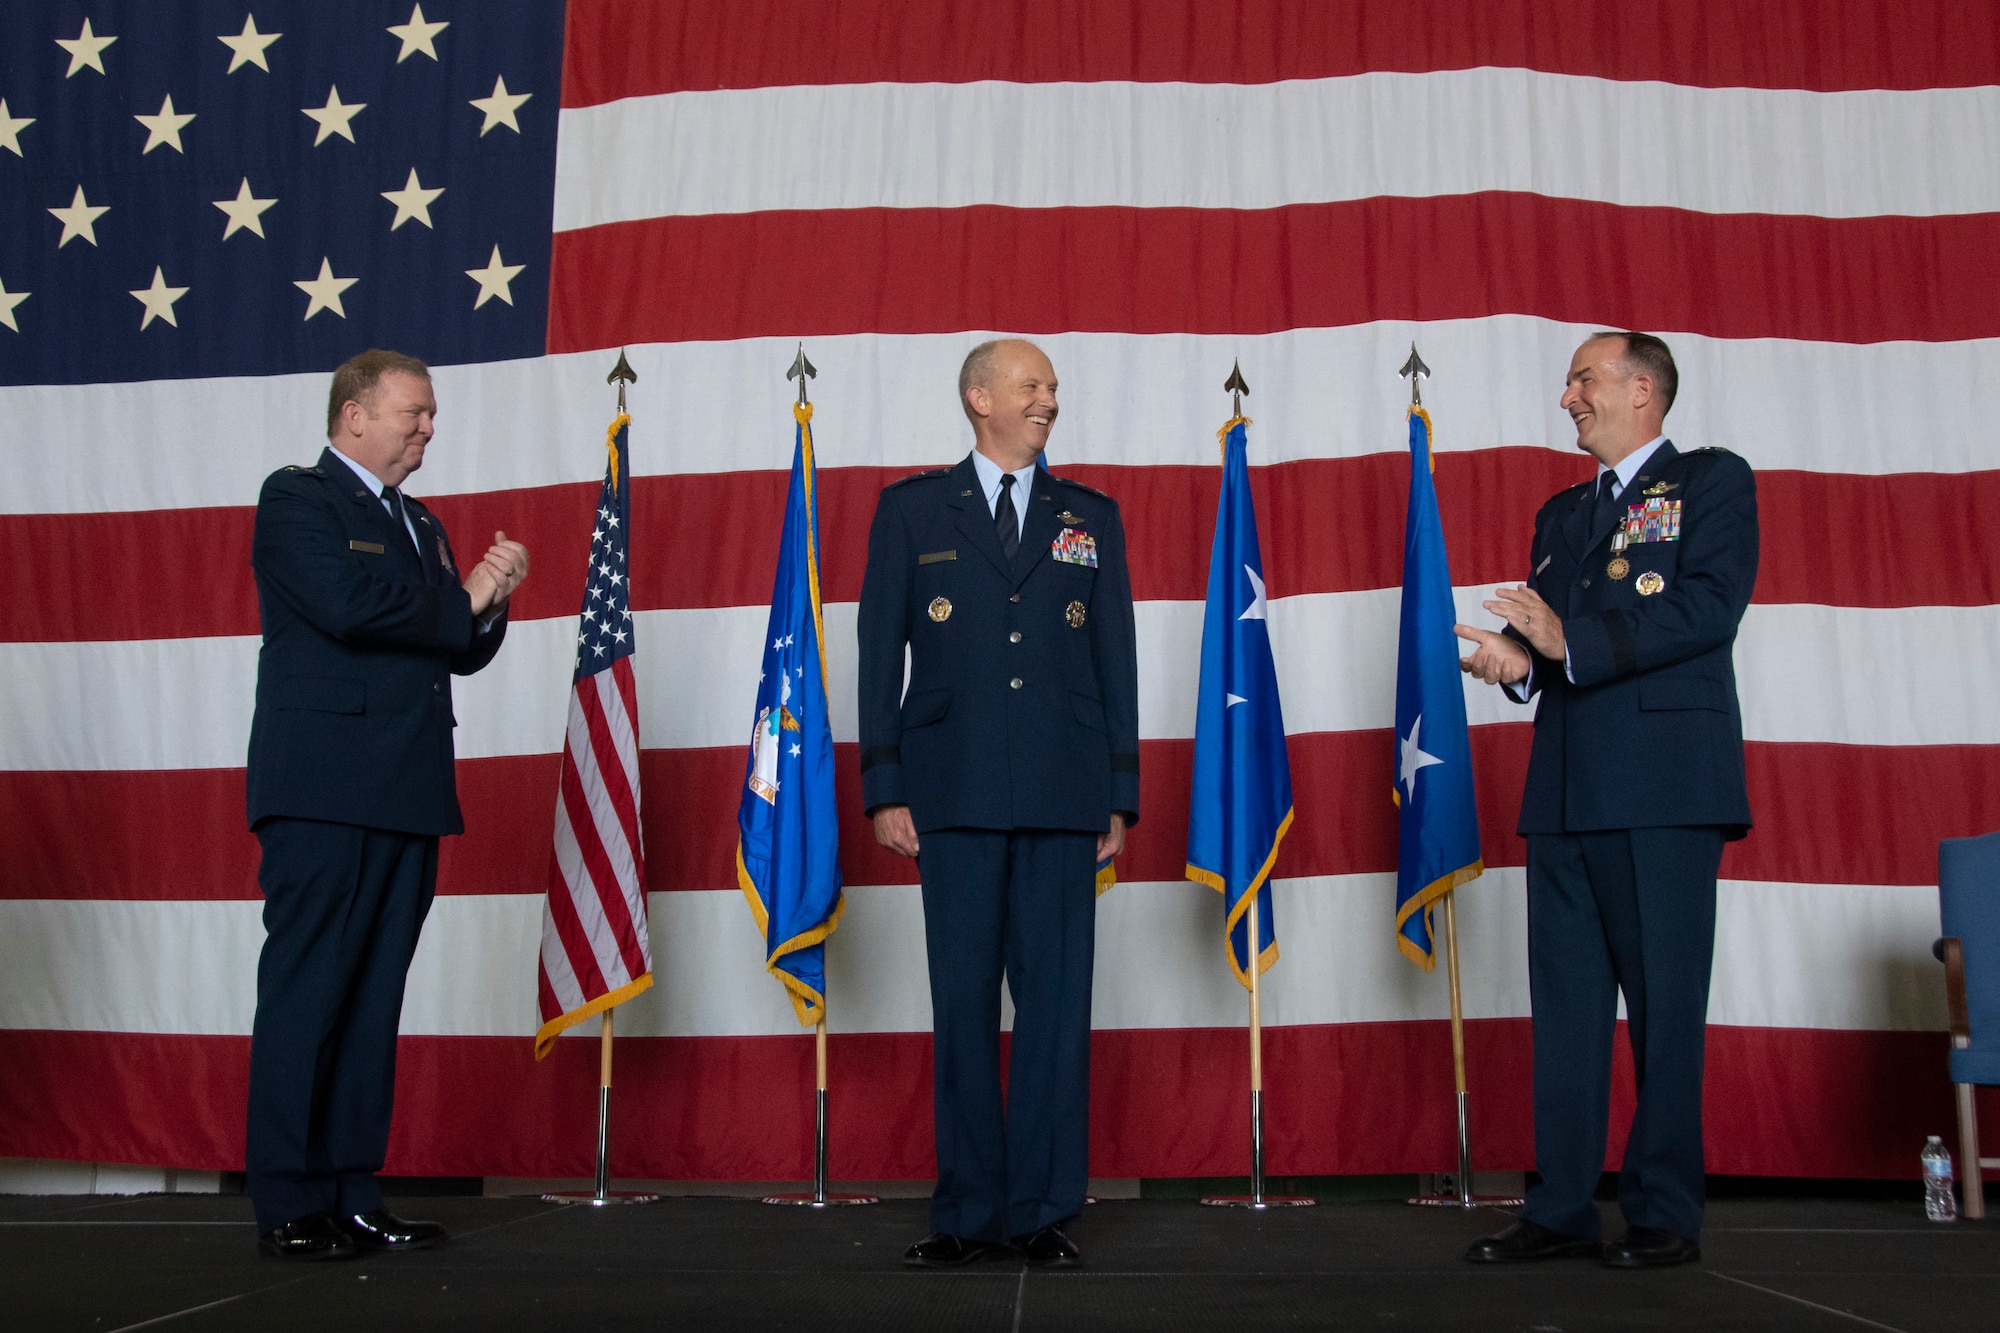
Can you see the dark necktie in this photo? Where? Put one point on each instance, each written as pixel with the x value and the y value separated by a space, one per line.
pixel 1607 501
pixel 402 517
pixel 1006 519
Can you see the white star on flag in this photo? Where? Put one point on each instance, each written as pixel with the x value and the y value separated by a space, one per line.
pixel 86 50
pixel 412 201
pixel 8 300
pixel 249 46
pixel 164 127
pixel 417 35
pixel 80 218
pixel 334 117
pixel 1414 758
pixel 494 281
pixel 1256 609
pixel 159 300
pixel 500 107
pixel 325 290
pixel 245 211
pixel 1230 701
pixel 10 129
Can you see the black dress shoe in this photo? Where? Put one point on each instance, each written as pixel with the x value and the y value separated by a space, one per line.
pixel 314 1237
pixel 1525 1242
pixel 380 1229
pixel 1049 1248
pixel 941 1249
pixel 1650 1247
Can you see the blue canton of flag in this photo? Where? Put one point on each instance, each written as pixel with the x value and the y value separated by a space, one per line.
pixel 1438 836
pixel 209 189
pixel 788 848
pixel 1242 798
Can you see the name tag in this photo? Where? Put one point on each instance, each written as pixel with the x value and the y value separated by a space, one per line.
pixel 932 557
pixel 373 548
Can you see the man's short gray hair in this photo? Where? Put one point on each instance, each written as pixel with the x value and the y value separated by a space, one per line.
pixel 1647 355
pixel 975 369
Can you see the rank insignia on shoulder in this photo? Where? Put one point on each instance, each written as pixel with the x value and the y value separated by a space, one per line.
pixel 1075 548
pixel 1075 613
pixel 1660 488
pixel 1649 583
pixel 309 471
pixel 940 609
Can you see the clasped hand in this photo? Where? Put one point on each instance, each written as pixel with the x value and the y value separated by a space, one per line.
pixel 501 570
pixel 1499 660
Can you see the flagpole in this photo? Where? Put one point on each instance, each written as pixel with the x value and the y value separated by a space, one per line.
pixel 820 1197
pixel 1415 370
pixel 803 370
pixel 603 1195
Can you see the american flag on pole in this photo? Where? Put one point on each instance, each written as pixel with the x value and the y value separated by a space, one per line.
pixel 595 951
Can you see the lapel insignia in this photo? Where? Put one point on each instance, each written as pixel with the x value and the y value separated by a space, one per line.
pixel 1075 614
pixel 940 609
pixel 1075 548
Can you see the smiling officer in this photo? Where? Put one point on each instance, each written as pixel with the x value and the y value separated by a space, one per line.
pixel 1639 580
pixel 1010 771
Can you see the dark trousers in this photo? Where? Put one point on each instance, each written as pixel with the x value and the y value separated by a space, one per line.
pixel 342 910
pixel 1629 910
pixel 1022 904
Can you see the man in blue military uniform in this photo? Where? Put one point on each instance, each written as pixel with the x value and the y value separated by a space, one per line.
pixel 365 620
pixel 1625 629
pixel 1009 770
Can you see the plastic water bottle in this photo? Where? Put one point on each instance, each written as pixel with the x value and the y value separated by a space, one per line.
pixel 1940 1204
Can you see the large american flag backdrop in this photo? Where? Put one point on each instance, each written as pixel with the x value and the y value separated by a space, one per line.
pixel 1804 198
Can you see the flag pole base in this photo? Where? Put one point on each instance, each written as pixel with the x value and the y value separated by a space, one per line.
pixel 1456 1201
pixel 816 1200
pixel 1256 1199
pixel 820 1197
pixel 1253 1202
pixel 603 1196
pixel 603 1200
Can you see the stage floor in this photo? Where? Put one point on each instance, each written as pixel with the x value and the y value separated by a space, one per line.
pixel 190 1262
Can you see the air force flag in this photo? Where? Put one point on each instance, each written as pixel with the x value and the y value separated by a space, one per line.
pixel 1438 838
pixel 788 851
pixel 1242 798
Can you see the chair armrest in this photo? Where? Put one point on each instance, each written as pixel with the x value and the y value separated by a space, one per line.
pixel 1954 990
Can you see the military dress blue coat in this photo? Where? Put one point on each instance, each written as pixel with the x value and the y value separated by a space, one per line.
pixel 362 636
pixel 1650 732
pixel 1023 703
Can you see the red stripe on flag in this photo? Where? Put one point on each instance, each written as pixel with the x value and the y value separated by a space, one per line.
pixel 597 880
pixel 1164 1102
pixel 1830 538
pixel 635 48
pixel 1826 814
pixel 1222 271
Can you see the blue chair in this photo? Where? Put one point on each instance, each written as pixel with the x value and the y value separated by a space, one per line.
pixel 1969 910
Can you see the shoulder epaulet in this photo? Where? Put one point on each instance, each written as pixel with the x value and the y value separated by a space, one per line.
pixel 309 471
pixel 1710 449
pixel 919 476
pixel 1088 490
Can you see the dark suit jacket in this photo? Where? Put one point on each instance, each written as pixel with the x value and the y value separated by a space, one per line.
pixel 361 639
pixel 1650 733
pixel 1023 701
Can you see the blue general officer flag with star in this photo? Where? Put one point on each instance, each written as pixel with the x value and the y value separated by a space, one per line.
pixel 1242 797
pixel 1438 825
pixel 788 847
pixel 201 189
